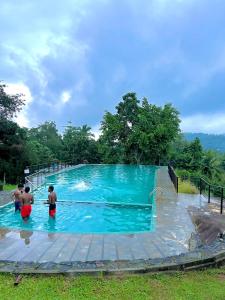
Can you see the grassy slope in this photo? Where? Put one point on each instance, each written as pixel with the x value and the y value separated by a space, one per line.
pixel 9 187
pixel 208 284
pixel 186 187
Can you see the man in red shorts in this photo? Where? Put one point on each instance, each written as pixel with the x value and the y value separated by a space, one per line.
pixel 26 200
pixel 52 198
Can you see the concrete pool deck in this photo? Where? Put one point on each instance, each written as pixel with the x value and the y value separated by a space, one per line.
pixel 174 244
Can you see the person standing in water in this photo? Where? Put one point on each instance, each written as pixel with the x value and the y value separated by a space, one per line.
pixel 26 199
pixel 17 197
pixel 52 198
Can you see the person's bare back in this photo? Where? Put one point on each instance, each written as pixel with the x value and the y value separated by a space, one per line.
pixel 52 198
pixel 27 199
pixel 17 197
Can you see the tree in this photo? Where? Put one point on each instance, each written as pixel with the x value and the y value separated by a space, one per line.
pixel 38 153
pixel 189 156
pixel 138 133
pixel 12 150
pixel 79 144
pixel 9 104
pixel 211 165
pixel 47 135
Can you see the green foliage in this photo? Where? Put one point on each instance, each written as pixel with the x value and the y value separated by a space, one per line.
pixel 12 150
pixel 211 165
pixel 188 156
pixel 47 135
pixel 38 153
pixel 9 187
pixel 198 285
pixel 79 144
pixel 9 104
pixel 192 162
pixel 138 132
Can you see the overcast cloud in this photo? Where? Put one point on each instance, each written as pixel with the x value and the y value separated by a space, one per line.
pixel 75 59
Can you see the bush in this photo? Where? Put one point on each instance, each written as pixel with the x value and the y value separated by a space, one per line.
pixel 183 174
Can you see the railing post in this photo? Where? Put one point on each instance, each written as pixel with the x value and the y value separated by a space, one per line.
pixel 209 192
pixel 221 203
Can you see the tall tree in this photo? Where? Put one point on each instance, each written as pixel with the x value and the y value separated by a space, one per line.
pixel 79 144
pixel 9 104
pixel 138 133
pixel 13 156
pixel 12 137
pixel 47 135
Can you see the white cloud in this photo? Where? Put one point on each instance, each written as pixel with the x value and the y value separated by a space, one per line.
pixel 213 123
pixel 65 97
pixel 20 88
pixel 96 131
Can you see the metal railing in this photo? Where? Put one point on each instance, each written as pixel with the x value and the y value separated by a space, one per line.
pixel 49 166
pixel 210 189
pixel 37 173
pixel 173 177
pixel 205 188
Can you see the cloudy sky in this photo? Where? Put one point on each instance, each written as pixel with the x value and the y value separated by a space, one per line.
pixel 74 59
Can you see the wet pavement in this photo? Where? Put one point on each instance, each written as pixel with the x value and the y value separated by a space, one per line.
pixel 5 197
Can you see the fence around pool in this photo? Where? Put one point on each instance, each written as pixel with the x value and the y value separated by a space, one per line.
pixel 205 188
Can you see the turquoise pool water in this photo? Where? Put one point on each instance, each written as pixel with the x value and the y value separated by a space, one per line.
pixel 93 199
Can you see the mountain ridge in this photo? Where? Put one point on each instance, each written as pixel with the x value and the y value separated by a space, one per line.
pixel 208 141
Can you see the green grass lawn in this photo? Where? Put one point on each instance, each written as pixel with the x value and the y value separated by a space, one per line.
pixel 9 187
pixel 208 284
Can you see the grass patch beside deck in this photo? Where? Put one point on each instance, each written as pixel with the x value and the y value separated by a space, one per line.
pixel 9 187
pixel 186 187
pixel 209 284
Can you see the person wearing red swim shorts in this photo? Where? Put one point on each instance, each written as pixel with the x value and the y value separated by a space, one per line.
pixel 26 200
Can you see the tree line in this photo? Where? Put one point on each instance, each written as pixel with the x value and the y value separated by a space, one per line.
pixel 139 132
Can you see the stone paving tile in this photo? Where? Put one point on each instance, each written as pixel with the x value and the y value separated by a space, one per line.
pixel 123 247
pixel 67 251
pixel 5 197
pixel 150 247
pixel 19 255
pixel 54 249
pixel 109 248
pixel 82 249
pixel 96 248
pixel 6 252
pixel 5 243
pixel 137 249
pixel 35 254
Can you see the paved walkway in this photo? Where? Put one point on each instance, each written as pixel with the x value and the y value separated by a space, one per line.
pixel 5 197
pixel 172 236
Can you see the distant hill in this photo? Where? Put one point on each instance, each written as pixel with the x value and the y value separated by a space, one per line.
pixel 208 141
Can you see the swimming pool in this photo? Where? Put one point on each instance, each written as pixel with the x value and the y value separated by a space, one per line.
pixel 93 199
